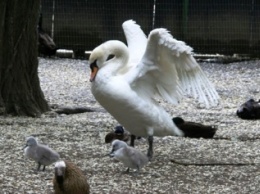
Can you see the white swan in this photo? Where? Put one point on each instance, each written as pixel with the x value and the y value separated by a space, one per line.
pixel 158 66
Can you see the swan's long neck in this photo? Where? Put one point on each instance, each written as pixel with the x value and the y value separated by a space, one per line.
pixel 121 58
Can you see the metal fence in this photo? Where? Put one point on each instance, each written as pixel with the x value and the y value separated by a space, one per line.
pixel 209 26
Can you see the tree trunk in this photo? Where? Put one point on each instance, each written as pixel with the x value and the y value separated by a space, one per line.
pixel 20 91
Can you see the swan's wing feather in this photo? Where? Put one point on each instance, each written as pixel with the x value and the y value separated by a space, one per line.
pixel 136 40
pixel 169 70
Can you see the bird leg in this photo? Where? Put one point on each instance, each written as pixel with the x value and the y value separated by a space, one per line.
pixel 132 140
pixel 150 148
pixel 39 166
pixel 127 170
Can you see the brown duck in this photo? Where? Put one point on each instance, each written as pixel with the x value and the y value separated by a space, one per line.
pixel 118 133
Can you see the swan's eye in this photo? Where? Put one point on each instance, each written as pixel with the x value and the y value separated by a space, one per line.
pixel 110 57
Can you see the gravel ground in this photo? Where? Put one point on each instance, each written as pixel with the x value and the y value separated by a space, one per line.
pixel 229 163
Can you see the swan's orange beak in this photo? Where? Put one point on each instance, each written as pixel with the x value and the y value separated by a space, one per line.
pixel 94 70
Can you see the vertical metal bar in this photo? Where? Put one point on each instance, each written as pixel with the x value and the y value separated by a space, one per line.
pixel 252 23
pixel 52 22
pixel 154 13
pixel 185 10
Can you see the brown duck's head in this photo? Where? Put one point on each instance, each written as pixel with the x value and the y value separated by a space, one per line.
pixel 119 129
pixel 60 168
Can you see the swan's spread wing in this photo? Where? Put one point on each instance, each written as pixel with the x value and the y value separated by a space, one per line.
pixel 168 69
pixel 136 40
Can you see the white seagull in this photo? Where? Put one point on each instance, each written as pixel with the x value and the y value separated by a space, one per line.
pixel 125 80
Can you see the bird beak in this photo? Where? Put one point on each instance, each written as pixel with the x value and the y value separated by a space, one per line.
pixel 111 154
pixel 25 146
pixel 94 70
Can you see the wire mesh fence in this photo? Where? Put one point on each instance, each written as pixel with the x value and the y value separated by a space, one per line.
pixel 215 26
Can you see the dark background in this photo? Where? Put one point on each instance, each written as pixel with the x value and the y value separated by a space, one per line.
pixel 209 26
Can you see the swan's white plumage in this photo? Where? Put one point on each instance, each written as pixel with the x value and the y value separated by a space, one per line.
pixel 166 68
pixel 136 40
pixel 169 65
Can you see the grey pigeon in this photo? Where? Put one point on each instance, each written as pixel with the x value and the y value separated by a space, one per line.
pixel 40 153
pixel 129 156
